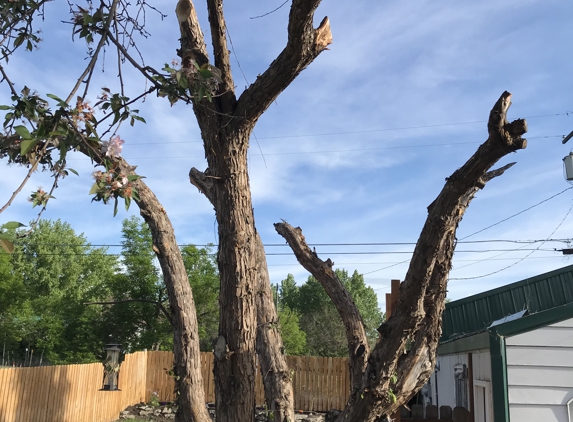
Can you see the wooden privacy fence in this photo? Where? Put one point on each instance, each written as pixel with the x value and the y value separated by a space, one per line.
pixel 319 383
pixel 417 413
pixel 71 393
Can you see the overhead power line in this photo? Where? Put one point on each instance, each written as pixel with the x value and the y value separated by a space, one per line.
pixel 284 245
pixel 520 260
pixel 516 214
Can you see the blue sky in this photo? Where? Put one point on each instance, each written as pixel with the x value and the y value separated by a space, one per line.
pixel 360 144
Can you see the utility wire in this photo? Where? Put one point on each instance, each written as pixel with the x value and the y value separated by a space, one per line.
pixel 284 245
pixel 520 260
pixel 488 227
pixel 520 212
pixel 307 152
pixel 35 253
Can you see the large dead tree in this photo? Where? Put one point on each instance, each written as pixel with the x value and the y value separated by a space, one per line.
pixel 390 375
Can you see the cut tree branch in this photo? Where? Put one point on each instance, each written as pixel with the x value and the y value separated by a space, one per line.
pixel 358 348
pixel 304 44
pixel 203 182
pixel 192 41
pixel 220 49
pixel 155 302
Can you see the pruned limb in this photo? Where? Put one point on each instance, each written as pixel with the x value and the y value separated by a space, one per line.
pixel 155 302
pixel 203 182
pixel 220 49
pixel 192 41
pixel 417 318
pixel 358 348
pixel 304 44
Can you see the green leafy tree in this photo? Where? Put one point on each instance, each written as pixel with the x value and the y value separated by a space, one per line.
pixel 203 276
pixel 294 338
pixel 14 307
pixel 56 272
pixel 138 320
pixel 139 316
pixel 325 333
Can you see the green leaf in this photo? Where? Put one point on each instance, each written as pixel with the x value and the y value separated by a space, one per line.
pixel 183 82
pixel 5 107
pixel 27 145
pixel 7 245
pixel 115 207
pixel 127 202
pixel 11 225
pixel 19 40
pixel 205 73
pixel 95 189
pixel 201 93
pixel 23 132
pixel 73 171
pixel 134 177
pixel 61 102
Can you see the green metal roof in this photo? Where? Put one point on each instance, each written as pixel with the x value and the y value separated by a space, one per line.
pixel 475 313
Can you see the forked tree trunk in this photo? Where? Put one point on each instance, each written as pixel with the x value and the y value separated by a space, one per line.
pixel 393 374
pixel 226 124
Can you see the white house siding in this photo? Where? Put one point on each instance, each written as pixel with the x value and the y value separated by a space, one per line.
pixel 540 373
pixel 445 379
pixel 481 360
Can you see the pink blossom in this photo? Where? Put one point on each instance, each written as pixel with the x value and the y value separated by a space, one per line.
pixel 113 147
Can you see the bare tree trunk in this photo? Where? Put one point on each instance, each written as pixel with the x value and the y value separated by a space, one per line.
pixel 269 346
pixel 187 365
pixel 393 374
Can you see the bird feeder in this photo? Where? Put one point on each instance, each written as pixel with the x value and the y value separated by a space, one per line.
pixel 111 367
pixel 568 166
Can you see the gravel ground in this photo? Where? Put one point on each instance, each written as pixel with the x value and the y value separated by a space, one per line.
pixel 166 413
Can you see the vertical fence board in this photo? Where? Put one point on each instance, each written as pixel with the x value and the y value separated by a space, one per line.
pixel 21 399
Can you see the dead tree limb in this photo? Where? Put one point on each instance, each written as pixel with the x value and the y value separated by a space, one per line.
pixel 358 348
pixel 421 303
pixel 304 44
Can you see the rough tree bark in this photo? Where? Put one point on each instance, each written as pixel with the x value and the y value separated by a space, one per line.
pixel 226 124
pixel 187 356
pixel 393 375
pixel 269 345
